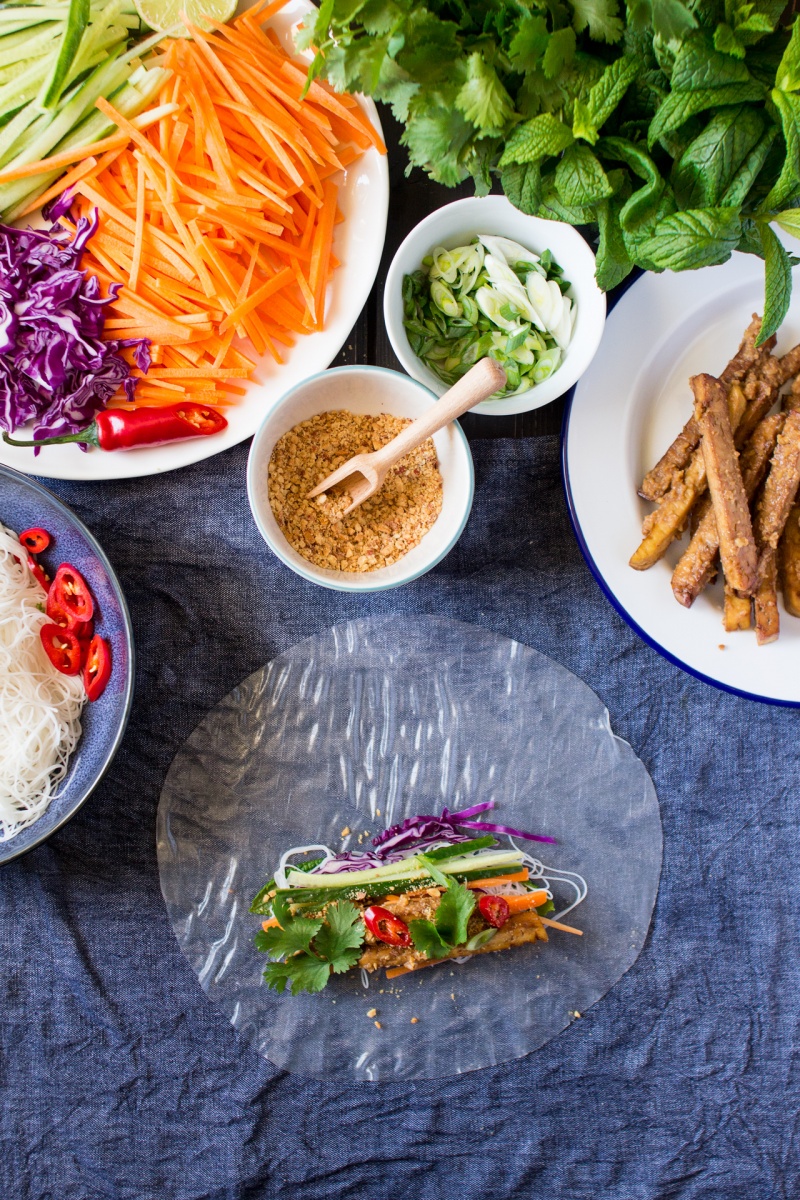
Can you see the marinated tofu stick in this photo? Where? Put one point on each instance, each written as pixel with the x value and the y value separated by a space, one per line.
pixel 789 562
pixel 697 565
pixel 669 520
pixel 772 511
pixel 737 613
pixel 657 482
pixel 737 547
pixel 765 601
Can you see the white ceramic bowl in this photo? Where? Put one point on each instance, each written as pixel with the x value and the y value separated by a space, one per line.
pixel 457 224
pixel 364 390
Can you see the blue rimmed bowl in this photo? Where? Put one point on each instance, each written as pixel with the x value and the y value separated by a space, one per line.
pixel 25 503
pixel 372 390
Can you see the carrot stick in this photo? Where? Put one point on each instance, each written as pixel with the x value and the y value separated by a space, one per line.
pixel 561 926
pixel 492 881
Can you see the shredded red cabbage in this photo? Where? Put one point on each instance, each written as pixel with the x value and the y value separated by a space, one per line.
pixel 416 834
pixel 55 367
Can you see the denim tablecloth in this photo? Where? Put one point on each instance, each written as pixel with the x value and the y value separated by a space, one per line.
pixel 121 1082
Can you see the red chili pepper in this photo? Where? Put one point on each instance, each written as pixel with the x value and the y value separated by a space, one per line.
pixel 122 429
pixel 35 540
pixel 71 594
pixel 495 910
pixel 386 927
pixel 39 574
pixel 62 648
pixel 66 619
pixel 97 668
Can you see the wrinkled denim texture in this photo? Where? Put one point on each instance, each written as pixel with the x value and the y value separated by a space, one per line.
pixel 121 1082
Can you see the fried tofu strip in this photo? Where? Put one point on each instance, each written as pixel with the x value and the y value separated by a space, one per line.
pixel 789 562
pixel 667 522
pixel 772 512
pixel 737 613
pixel 657 482
pixel 697 565
pixel 737 546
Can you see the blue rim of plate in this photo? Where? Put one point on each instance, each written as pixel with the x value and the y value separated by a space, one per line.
pixel 35 486
pixel 623 612
pixel 381 587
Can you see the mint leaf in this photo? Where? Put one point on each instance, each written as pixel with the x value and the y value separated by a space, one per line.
pixel 427 939
pixel 339 941
pixel 539 138
pixel 588 118
pixel 777 284
pixel 699 66
pixel 709 163
pixel 670 20
pixel 788 183
pixel 297 935
pixel 680 106
pixel 304 972
pixel 601 18
pixel 453 913
pixel 787 78
pixel 726 41
pixel 613 261
pixel 522 183
pixel 483 99
pixel 789 220
pixel 262 904
pixel 739 187
pixel 559 53
pixel 580 180
pixel 694 238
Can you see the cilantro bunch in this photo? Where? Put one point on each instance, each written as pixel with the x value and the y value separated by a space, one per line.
pixel 311 947
pixel 670 126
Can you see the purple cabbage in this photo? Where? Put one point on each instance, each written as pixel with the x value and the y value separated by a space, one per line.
pixel 417 834
pixel 56 369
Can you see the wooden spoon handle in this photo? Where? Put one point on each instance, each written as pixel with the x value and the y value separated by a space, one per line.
pixel 480 382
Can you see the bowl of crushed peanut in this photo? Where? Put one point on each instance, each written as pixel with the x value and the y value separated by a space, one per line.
pixel 405 529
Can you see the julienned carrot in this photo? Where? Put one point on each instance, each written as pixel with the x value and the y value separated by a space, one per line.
pixel 218 208
pixel 493 881
pixel 518 904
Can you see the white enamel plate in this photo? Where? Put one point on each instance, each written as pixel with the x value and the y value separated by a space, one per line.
pixel 626 410
pixel 358 244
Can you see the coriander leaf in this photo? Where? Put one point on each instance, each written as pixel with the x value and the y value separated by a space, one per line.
pixel 483 99
pixel 339 941
pixel 427 939
pixel 377 16
pixel 435 136
pixel 522 183
pixel 692 238
pixel 559 53
pixel 281 909
pixel 538 138
pixel 453 913
pixel 529 43
pixel 613 261
pixel 304 972
pixel 431 49
pixel 580 180
pixel 601 18
pixel 297 935
pixel 788 183
pixel 777 284
pixel 709 163
pixel 604 97
pixel 787 78
pixel 789 220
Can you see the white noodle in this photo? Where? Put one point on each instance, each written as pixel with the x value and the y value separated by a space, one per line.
pixel 40 709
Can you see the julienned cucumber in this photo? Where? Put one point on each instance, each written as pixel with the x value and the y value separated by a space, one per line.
pixel 411 870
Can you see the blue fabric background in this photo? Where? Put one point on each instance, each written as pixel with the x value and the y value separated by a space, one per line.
pixel 121 1082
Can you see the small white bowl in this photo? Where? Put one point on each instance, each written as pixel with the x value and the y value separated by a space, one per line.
pixel 372 390
pixel 456 225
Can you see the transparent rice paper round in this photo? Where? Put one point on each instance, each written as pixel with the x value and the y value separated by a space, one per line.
pixel 355 729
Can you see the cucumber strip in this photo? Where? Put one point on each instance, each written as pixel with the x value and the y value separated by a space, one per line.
pixel 16 46
pixel 460 848
pixel 74 28
pixel 15 128
pixel 22 89
pixel 453 866
pixel 128 100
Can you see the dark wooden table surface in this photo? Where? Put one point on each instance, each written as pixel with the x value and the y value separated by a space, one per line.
pixel 411 199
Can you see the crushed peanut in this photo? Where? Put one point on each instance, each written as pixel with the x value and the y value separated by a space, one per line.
pixel 372 1012
pixel 383 528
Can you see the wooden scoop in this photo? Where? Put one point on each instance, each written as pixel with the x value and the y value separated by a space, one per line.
pixel 363 474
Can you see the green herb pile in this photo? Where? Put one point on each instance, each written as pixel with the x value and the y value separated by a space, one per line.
pixel 671 126
pixel 312 947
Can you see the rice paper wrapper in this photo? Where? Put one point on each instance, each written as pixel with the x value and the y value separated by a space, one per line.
pixel 355 729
